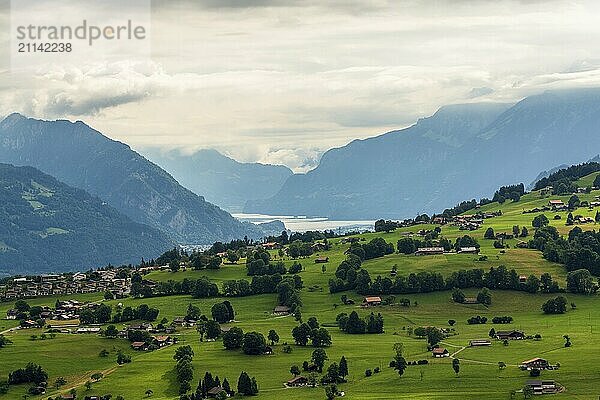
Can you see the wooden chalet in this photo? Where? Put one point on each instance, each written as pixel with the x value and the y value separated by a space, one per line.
pixel 423 251
pixel 297 381
pixel 542 386
pixel 371 301
pixel 510 335
pixel 535 363
pixel 281 310
pixel 480 343
pixel 440 352
pixel 321 260
pixel 468 250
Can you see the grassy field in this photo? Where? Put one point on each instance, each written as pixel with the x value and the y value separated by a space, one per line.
pixel 75 357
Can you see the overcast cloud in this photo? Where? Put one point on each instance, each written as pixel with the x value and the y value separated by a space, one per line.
pixel 281 82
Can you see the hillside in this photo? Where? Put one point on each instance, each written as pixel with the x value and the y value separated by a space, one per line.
pixel 480 375
pixel 84 158
pixel 220 179
pixel 467 150
pixel 46 226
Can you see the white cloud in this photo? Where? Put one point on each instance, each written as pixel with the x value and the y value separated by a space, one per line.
pixel 266 81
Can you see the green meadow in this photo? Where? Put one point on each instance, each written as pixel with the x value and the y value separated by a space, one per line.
pixel 75 357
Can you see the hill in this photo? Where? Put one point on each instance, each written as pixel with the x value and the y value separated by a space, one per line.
pixel 220 179
pixel 84 158
pixel 490 372
pixel 467 149
pixel 46 225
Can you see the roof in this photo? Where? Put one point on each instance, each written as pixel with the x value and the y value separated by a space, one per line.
pixel 507 333
pixel 215 390
pixel 281 309
pixel 556 202
pixel 372 299
pixel 533 360
pixel 430 249
pixel 439 350
pixel 138 344
pixel 299 378
pixel 162 338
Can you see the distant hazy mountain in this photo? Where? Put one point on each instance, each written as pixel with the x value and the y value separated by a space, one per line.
pixel 82 157
pixel 390 175
pixel 220 179
pixel 46 225
pixel 461 151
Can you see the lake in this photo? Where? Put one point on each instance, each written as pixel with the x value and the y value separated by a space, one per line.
pixel 303 224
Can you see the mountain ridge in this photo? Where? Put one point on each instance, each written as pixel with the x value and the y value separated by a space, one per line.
pixel 84 158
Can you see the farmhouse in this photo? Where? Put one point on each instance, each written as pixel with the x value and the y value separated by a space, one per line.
pixel 216 391
pixel 542 386
pixel 371 301
pixel 480 343
pixel 535 363
pixel 281 310
pixel 556 203
pixel 468 250
pixel 422 251
pixel 440 352
pixel 510 335
pixel 297 381
pixel 88 330
pixel 139 346
pixel 162 341
pixel 321 260
pixel 11 314
pixel 470 300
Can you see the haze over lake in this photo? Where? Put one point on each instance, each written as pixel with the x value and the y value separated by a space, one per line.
pixel 303 224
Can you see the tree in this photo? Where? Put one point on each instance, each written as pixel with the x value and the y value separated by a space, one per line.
pixel 88 385
pixel 111 331
pixel 244 385
pixel 318 357
pixel 273 337
pixel 492 333
pixel 532 284
pixel 434 335
pixel 574 201
pixel 60 381
pixel 567 341
pixel 149 393
pixel 295 370
pixel 524 232
pixel 96 376
pixel 400 364
pixel 484 297
pixel 489 233
pixel 451 322
pixel 540 221
pixel 557 305
pixel 232 256
pixel 301 334
pixel 254 343
pixel 193 313
pixel 581 281
pixel 183 353
pixel 458 296
pixel 501 365
pixel 355 324
pixel 456 366
pixel 343 368
pixel 213 329
pixel 233 339
pixel 320 337
pixel 528 392
pixel 331 391
pixel 221 313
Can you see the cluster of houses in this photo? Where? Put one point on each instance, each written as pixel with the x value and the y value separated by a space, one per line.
pixel 68 310
pixel 65 284
pixel 157 342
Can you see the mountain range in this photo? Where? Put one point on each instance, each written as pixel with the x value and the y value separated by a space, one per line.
pixel 46 225
pixel 82 157
pixel 461 151
pixel 221 179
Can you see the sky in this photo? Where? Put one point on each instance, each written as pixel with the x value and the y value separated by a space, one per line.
pixel 283 81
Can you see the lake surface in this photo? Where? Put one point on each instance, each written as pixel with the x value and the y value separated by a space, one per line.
pixel 303 224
